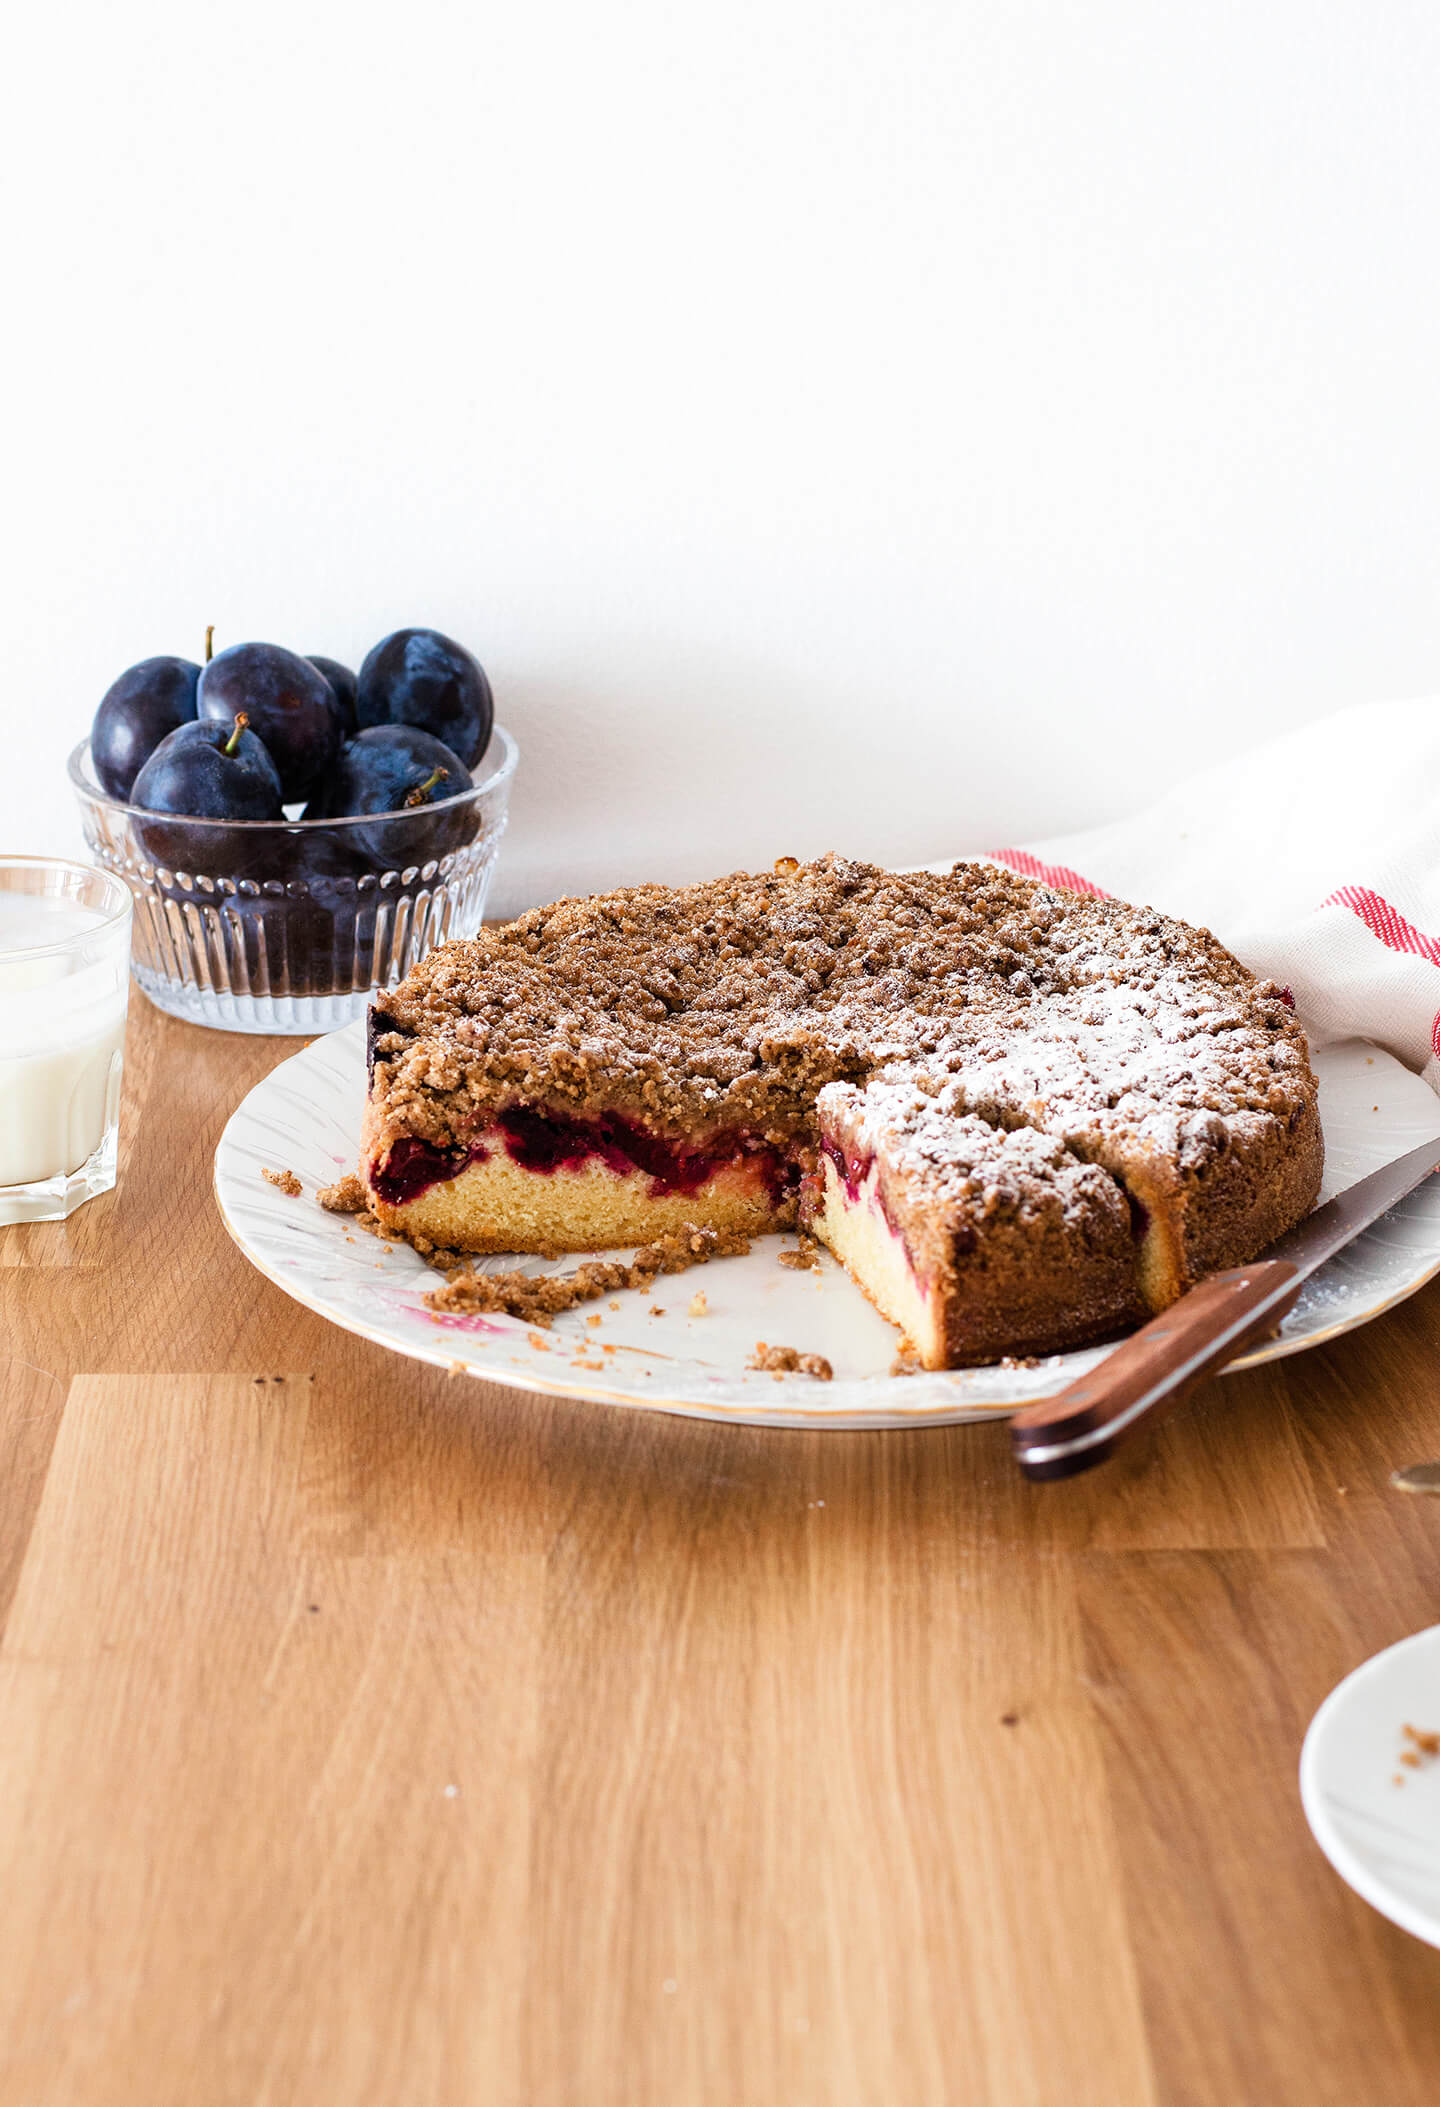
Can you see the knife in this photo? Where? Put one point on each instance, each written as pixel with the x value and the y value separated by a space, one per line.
pixel 1196 1336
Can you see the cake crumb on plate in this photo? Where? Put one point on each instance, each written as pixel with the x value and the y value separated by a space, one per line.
pixel 286 1181
pixel 539 1296
pixel 346 1196
pixel 805 1258
pixel 785 1360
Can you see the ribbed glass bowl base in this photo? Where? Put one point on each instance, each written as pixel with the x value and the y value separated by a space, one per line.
pixel 287 927
pixel 282 1016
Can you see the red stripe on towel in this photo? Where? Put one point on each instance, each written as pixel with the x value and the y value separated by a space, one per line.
pixel 1393 930
pixel 1056 874
pixel 1386 922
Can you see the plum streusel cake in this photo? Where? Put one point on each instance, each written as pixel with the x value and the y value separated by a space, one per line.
pixel 1021 1118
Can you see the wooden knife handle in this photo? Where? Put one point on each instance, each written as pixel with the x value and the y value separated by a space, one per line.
pixel 1150 1372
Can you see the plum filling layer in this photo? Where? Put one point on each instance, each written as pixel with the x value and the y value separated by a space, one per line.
pixel 412 1167
pixel 546 1142
pixel 850 1170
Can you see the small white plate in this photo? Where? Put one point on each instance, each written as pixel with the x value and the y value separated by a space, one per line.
pixel 1381 1836
pixel 305 1117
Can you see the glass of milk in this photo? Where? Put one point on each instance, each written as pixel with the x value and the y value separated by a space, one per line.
pixel 64 979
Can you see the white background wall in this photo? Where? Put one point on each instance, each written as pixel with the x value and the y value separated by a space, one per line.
pixel 903 425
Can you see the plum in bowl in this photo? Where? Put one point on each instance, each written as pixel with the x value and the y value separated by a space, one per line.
pixel 286 925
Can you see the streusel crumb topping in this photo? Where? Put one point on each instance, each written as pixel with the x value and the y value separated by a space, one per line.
pixel 734 1002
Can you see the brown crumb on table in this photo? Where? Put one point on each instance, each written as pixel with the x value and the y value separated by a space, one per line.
pixel 784 1360
pixel 286 1180
pixel 540 1296
pixel 346 1196
pixel 699 1303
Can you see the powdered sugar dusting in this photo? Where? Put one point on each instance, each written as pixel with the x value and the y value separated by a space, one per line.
pixel 735 1001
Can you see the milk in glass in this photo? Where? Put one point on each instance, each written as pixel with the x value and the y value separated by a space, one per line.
pixel 62 1030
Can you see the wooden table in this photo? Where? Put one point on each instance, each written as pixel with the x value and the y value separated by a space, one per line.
pixel 369 1735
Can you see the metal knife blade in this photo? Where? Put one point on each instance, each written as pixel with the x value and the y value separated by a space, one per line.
pixel 1332 1226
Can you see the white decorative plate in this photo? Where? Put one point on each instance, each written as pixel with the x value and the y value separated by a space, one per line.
pixel 305 1117
pixel 1376 1816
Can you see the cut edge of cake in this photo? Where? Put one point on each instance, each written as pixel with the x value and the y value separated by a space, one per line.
pixel 958 1230
pixel 495 1204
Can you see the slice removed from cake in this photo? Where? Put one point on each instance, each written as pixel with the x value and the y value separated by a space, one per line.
pixel 976 1240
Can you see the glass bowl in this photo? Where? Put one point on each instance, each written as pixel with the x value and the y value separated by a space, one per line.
pixel 287 925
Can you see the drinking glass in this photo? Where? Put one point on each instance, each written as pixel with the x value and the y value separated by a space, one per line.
pixel 64 980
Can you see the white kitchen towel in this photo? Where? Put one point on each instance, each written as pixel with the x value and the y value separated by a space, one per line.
pixel 1315 859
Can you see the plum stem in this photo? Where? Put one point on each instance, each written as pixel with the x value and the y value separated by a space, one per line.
pixel 209 642
pixel 419 794
pixel 232 744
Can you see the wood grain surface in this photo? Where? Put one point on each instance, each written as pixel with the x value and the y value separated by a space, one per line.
pixel 369 1735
